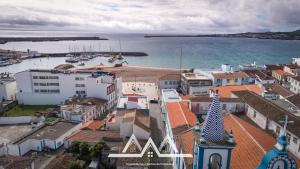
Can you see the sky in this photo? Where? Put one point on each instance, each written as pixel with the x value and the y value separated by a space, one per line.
pixel 151 16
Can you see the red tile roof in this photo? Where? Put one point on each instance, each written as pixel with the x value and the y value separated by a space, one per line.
pixel 93 136
pixel 93 124
pixel 252 143
pixel 281 72
pixel 179 114
pixel 226 91
pixel 230 75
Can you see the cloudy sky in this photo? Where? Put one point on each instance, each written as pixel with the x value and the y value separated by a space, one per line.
pixel 151 16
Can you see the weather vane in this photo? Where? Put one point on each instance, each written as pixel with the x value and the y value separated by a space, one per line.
pixel 285 122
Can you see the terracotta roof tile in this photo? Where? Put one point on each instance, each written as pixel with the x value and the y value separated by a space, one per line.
pixel 179 114
pixel 277 88
pixel 281 72
pixel 93 124
pixel 93 136
pixel 252 143
pixel 226 91
pixel 231 75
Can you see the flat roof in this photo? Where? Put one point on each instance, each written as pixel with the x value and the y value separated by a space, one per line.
pixel 170 95
pixel 140 101
pixel 195 76
pixel 50 132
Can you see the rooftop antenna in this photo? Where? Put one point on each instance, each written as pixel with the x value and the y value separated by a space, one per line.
pixel 180 66
pixel 285 122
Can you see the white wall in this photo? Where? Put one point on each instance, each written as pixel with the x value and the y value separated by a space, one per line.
pixel 15 120
pixel 260 119
pixel 93 87
pixel 140 133
pixel 8 90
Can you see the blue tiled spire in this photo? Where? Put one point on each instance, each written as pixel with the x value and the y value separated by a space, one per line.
pixel 214 122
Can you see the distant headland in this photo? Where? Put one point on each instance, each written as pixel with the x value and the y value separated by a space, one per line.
pixel 4 40
pixel 294 35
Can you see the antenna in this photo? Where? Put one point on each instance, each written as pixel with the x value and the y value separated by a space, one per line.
pixel 180 66
pixel 285 122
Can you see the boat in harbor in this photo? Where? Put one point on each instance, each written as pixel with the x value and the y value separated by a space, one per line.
pixel 5 63
pixel 72 60
pixel 81 64
pixel 112 59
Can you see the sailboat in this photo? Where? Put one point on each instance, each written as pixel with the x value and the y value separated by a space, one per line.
pixel 120 57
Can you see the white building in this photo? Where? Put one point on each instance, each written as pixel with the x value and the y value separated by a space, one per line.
pixel 195 84
pixel 132 117
pixel 81 109
pixel 47 137
pixel 268 116
pixel 44 87
pixel 230 78
pixel 296 61
pixel 7 87
pixel 295 84
pixel 201 104
pixel 169 81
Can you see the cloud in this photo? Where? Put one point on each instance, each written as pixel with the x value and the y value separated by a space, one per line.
pixel 152 16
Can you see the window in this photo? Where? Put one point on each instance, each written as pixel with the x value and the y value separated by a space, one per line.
pixel 218 80
pixel 80 85
pixel 35 84
pixel 288 137
pixel 79 78
pixel 215 161
pixel 166 82
pixel 295 140
pixel 228 80
pixel 254 114
pixel 53 77
pixel 34 77
pixel 43 84
pixel 224 106
pixel 235 80
pixel 277 130
pixel 43 77
pixel 299 148
pixel 36 90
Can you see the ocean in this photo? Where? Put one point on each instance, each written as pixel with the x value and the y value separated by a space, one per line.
pixel 198 52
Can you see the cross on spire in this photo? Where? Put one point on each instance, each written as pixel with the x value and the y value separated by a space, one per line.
pixel 285 122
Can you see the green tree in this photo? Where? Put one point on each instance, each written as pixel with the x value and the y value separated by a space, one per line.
pixel 84 151
pixel 75 165
pixel 74 148
pixel 97 149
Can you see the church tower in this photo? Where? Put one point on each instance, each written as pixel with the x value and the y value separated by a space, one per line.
pixel 278 157
pixel 213 146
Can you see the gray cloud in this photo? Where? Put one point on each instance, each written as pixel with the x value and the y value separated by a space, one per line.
pixel 184 16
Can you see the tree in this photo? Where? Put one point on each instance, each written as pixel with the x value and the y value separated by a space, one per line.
pixel 97 149
pixel 84 151
pixel 75 165
pixel 74 148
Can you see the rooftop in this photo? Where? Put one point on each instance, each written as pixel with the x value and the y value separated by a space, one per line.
pixel 170 95
pixel 194 76
pixel 209 99
pixel 226 91
pixel 86 101
pixel 270 110
pixel 230 75
pixel 180 115
pixel 93 136
pixel 170 77
pixel 297 78
pixel 279 89
pixel 295 100
pixel 139 102
pixel 15 162
pixel 138 117
pixel 258 74
pixel 50 132
pixel 281 72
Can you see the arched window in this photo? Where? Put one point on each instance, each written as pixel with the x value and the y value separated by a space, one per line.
pixel 215 161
